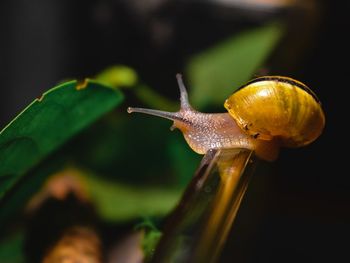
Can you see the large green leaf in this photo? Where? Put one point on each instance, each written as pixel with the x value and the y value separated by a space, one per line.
pixel 47 123
pixel 218 71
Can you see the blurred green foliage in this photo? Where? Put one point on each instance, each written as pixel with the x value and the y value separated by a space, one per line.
pixel 217 72
pixel 117 76
pixel 129 202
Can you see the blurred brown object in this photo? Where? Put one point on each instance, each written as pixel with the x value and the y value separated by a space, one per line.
pixel 62 224
pixel 78 244
pixel 128 249
pixel 59 186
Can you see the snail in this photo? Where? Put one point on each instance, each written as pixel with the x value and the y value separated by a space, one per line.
pixel 263 115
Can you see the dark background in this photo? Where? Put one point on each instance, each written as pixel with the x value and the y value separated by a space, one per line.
pixel 305 213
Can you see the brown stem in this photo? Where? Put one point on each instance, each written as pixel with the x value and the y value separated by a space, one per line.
pixel 198 227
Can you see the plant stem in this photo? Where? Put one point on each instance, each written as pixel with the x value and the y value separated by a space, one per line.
pixel 198 227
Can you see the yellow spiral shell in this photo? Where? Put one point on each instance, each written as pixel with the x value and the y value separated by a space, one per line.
pixel 275 107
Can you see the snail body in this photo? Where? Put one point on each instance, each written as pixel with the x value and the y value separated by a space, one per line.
pixel 263 115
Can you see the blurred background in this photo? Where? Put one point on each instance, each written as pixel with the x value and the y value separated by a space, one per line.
pixel 296 209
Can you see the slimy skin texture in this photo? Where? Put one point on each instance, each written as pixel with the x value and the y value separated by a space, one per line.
pixel 205 131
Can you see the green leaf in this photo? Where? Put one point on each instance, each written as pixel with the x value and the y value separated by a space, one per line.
pixel 121 202
pixel 218 71
pixel 47 123
pixel 118 76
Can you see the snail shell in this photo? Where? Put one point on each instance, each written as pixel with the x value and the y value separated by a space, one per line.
pixel 276 107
